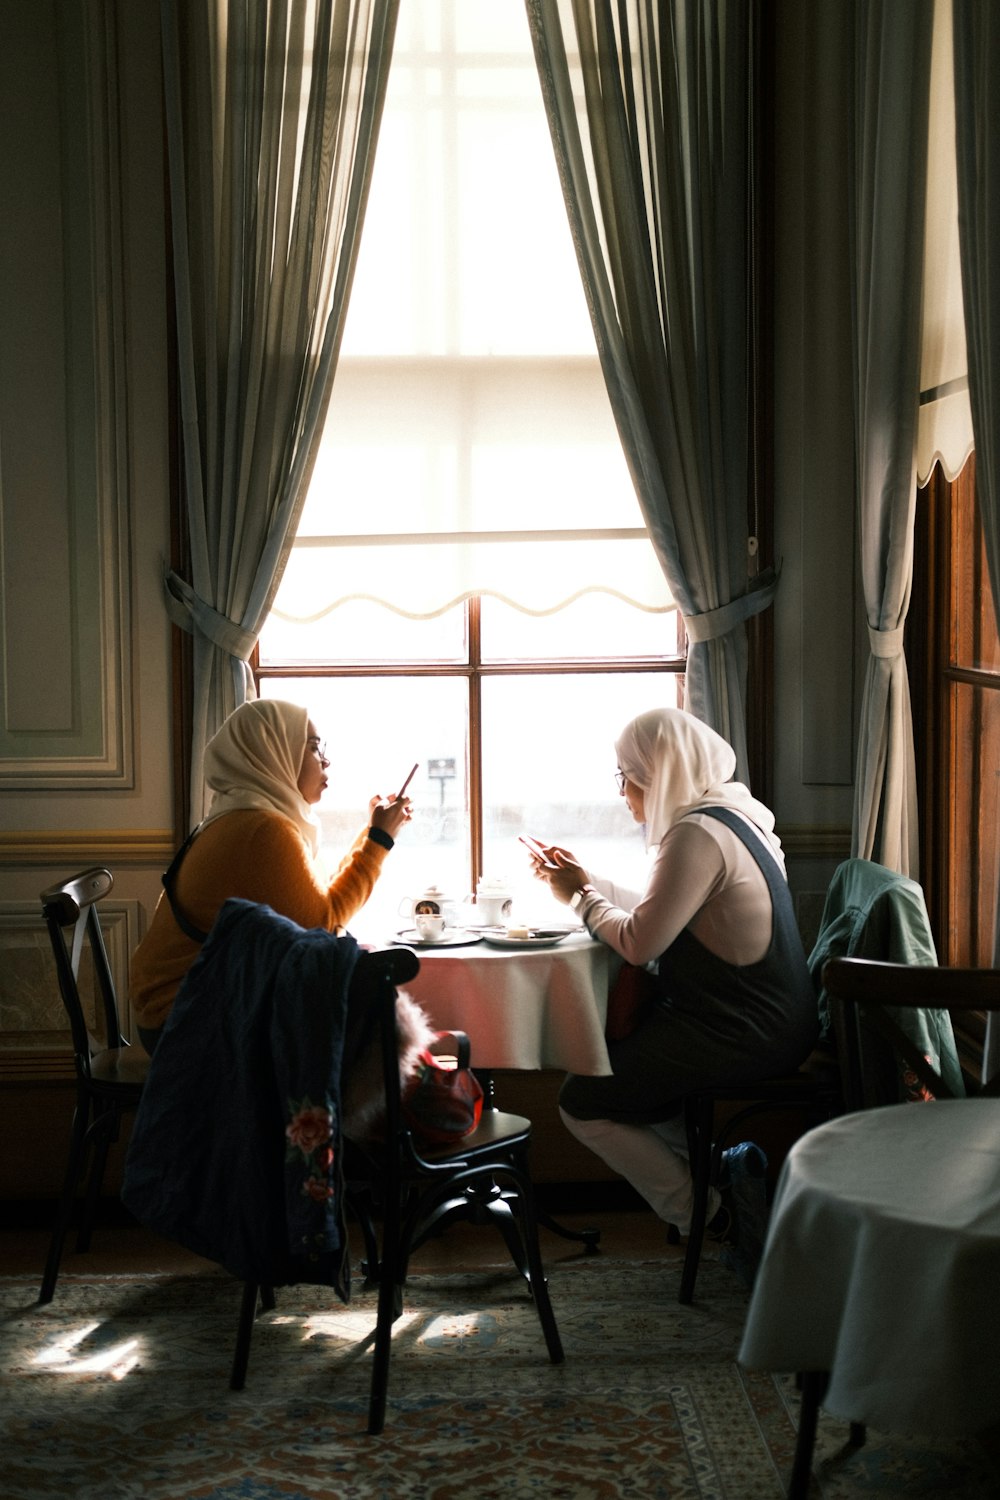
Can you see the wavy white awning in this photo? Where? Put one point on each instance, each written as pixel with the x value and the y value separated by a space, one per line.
pixel 420 576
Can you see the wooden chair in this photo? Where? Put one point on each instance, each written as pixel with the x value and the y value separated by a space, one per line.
pixel 872 997
pixel 812 1093
pixel 110 1074
pixel 870 912
pixel 413 1191
pixel 945 1233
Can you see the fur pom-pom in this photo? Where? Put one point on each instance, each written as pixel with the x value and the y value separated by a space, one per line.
pixel 414 1032
pixel 363 1097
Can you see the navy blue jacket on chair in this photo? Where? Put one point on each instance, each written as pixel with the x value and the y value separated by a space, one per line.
pixel 236 1148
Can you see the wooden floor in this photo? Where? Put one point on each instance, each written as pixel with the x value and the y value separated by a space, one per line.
pixel 119 1245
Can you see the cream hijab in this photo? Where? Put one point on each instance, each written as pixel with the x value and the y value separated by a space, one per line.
pixel 683 766
pixel 254 762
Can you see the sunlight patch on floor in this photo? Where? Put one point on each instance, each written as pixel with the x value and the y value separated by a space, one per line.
pixel 73 1354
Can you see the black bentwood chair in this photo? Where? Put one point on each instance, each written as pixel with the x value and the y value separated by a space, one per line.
pixel 110 1074
pixel 812 1093
pixel 870 912
pixel 414 1190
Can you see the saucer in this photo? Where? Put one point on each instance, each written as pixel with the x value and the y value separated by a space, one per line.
pixel 539 937
pixel 452 937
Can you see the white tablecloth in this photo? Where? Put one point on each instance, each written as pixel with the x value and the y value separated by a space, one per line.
pixel 529 1009
pixel 882 1266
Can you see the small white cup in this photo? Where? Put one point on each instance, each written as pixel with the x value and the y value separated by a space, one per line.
pixel 429 927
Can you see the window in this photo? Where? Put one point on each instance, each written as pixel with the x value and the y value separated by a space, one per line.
pixel 472 587
pixel 959 747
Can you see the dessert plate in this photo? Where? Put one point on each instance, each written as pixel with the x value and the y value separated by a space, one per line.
pixel 538 937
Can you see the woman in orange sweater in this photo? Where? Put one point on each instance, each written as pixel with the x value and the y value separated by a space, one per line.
pixel 259 842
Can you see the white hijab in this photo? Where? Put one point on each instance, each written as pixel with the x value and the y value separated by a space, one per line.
pixel 254 762
pixel 683 766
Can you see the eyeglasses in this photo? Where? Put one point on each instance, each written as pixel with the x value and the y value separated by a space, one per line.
pixel 620 779
pixel 319 747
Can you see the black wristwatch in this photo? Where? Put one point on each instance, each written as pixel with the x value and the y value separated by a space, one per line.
pixel 578 896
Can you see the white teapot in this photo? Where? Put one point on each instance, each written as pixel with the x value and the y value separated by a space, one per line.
pixel 432 902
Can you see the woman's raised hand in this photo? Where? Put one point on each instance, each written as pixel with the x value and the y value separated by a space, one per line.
pixel 567 876
pixel 389 813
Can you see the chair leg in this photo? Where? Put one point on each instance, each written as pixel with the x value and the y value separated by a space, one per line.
pixel 103 1130
pixel 364 1219
pixel 391 1274
pixel 64 1211
pixel 536 1275
pixel 589 1238
pixel 244 1333
pixel 700 1122
pixel 813 1384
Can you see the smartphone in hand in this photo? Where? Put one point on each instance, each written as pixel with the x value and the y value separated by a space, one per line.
pixel 413 772
pixel 538 850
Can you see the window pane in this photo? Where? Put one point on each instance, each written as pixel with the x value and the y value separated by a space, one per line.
pixel 375 728
pixel 466 242
pixel 974 824
pixel 596 625
pixel 975 642
pixel 358 631
pixel 548 770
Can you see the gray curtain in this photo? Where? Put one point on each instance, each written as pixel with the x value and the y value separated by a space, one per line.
pixel 977 146
pixel 888 163
pixel 272 115
pixel 657 189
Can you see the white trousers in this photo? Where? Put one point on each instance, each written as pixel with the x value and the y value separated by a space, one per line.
pixel 653 1158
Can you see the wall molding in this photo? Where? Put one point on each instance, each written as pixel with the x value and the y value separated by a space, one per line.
pixel 35 1041
pixel 815 843
pixel 77 848
pixel 66 667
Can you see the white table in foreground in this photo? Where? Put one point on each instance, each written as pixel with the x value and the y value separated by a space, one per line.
pixel 522 1008
pixel 882 1263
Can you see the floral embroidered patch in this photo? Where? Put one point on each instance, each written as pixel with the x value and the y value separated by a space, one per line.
pixel 309 1133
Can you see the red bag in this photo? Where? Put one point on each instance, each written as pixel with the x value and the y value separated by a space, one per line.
pixel 630 994
pixel 444 1099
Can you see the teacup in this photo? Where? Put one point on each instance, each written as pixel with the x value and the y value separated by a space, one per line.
pixel 492 908
pixel 429 927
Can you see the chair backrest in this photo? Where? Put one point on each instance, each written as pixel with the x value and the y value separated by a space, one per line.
pixel 875 997
pixel 70 912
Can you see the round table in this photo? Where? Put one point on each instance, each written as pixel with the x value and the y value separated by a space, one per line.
pixel 523 1008
pixel 882 1267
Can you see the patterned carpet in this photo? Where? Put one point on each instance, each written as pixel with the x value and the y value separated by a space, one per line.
pixel 119 1388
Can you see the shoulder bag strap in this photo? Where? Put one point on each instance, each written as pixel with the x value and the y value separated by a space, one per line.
pixel 169 880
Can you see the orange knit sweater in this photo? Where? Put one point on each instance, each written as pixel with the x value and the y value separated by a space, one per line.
pixel 258 856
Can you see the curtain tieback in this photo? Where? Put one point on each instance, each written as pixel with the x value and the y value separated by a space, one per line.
pixel 188 610
pixel 718 622
pixel 886 642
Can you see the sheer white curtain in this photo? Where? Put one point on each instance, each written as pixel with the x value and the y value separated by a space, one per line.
pixel 657 184
pixel 272 115
pixel 888 120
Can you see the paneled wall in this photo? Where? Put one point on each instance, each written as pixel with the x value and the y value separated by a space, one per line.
pixel 85 768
